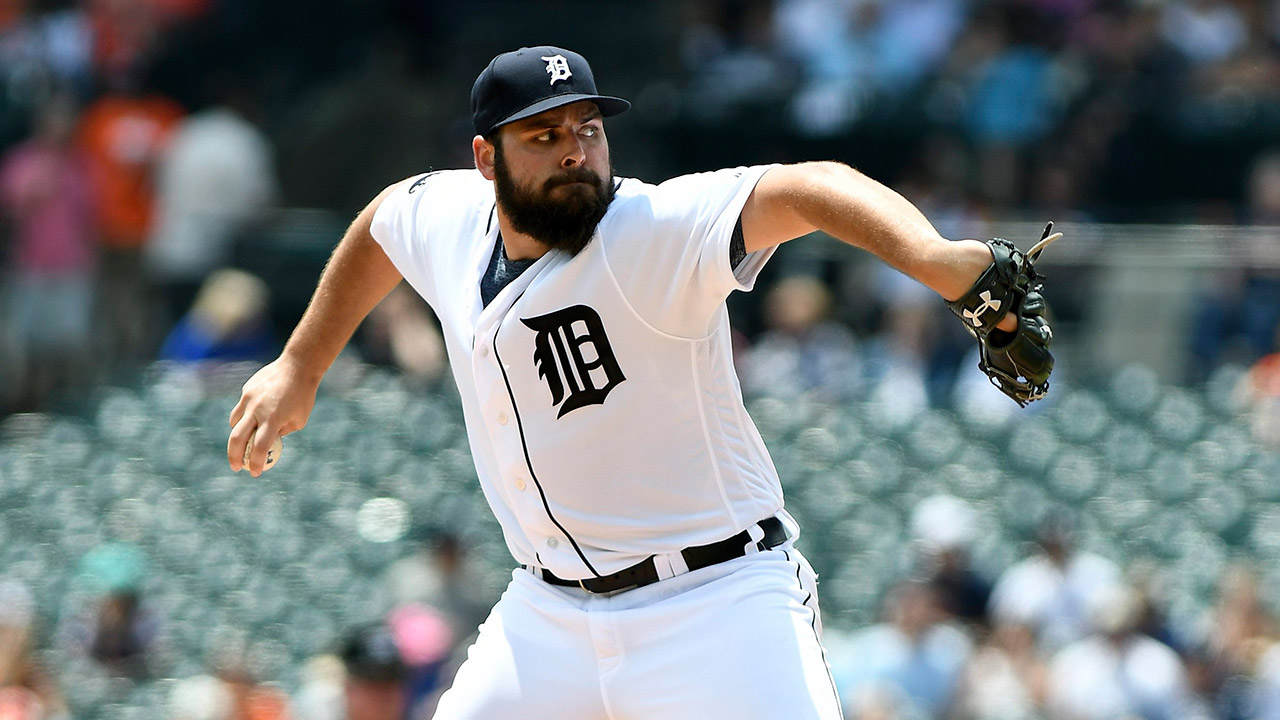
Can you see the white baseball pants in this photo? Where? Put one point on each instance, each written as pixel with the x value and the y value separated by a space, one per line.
pixel 739 641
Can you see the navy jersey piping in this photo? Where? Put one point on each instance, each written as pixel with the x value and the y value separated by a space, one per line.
pixel 814 624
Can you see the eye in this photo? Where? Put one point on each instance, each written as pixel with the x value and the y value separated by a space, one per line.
pixel 590 131
pixel 545 136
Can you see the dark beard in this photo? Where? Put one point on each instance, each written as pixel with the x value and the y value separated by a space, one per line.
pixel 566 224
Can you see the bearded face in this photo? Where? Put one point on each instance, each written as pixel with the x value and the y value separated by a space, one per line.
pixel 561 212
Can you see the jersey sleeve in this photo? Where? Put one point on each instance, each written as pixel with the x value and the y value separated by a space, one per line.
pixel 671 253
pixel 399 225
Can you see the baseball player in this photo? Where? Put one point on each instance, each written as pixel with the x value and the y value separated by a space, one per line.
pixel 585 322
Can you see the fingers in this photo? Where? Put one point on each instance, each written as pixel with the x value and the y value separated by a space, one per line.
pixel 237 412
pixel 238 440
pixel 263 438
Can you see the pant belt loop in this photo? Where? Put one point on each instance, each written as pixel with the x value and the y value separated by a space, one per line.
pixel 669 565
pixel 756 533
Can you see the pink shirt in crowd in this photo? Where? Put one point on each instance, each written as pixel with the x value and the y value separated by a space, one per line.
pixel 45 192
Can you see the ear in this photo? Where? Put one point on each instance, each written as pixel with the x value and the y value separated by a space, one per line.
pixel 483 151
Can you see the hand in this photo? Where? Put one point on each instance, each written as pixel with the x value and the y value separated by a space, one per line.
pixel 973 257
pixel 276 401
pixel 1017 362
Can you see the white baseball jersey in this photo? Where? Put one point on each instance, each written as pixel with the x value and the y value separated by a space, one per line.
pixel 600 398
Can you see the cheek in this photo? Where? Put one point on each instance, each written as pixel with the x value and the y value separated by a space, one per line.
pixel 599 163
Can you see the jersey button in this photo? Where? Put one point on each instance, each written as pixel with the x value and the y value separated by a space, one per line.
pixel 502 418
pixel 484 351
pixel 520 484
pixel 552 542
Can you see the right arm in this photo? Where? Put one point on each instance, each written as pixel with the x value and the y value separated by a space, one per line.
pixel 278 399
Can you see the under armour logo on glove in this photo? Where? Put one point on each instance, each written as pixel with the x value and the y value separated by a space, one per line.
pixel 557 68
pixel 974 316
pixel 573 355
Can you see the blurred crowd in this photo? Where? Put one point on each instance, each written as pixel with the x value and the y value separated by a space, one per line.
pixel 1063 107
pixel 1063 634
pixel 118 201
pixel 125 208
pixel 391 668
pixel 122 207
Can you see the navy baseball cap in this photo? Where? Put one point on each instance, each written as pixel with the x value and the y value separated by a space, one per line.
pixel 525 82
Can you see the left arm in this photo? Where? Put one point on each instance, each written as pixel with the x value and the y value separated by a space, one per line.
pixel 794 200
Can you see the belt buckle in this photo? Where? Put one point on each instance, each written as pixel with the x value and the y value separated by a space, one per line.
pixel 583 585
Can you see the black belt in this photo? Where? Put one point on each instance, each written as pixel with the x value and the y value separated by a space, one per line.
pixel 697 557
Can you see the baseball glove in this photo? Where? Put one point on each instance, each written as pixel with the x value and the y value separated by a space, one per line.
pixel 1016 361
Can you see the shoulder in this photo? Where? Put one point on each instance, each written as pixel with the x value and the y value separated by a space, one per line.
pixel 457 184
pixel 456 192
pixel 681 195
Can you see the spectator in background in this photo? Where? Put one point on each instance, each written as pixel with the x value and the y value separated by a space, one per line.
pixel 202 697
pixel 1240 628
pixel 45 194
pixel 1008 75
pixel 1205 31
pixel 944 528
pixel 228 322
pixel 117 631
pixel 1266 698
pixel 439 575
pixel 40 53
pixel 1116 672
pixel 802 350
pixel 401 332
pixel 730 53
pixel 375 687
pixel 426 642
pixel 1053 591
pixel 1239 312
pixel 125 133
pixel 1005 679
pixel 899 357
pixel 26 691
pixel 125 34
pixel 908 666
pixel 216 176
pixel 1259 391
pixel 321 694
pixel 231 694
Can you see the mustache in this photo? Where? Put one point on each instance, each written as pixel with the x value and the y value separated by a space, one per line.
pixel 574 175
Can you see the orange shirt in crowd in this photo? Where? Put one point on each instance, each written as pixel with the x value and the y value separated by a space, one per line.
pixel 124 138
pixel 10 12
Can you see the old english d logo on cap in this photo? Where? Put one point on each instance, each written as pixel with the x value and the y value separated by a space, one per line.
pixel 525 82
pixel 558 68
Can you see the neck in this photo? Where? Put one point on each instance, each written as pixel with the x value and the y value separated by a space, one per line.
pixel 518 246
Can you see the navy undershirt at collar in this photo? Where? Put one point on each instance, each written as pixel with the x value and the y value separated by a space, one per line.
pixel 501 272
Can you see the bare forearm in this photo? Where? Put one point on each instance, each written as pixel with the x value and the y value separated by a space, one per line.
pixel 852 207
pixel 357 277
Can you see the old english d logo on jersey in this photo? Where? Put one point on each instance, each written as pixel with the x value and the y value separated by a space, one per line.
pixel 573 354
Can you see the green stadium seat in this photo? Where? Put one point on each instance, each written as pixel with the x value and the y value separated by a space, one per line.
pixel 1178 417
pixel 934 439
pixel 1127 448
pixel 1074 475
pixel 1133 391
pixel 1081 417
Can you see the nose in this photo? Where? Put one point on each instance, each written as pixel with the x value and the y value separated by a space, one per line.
pixel 575 155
